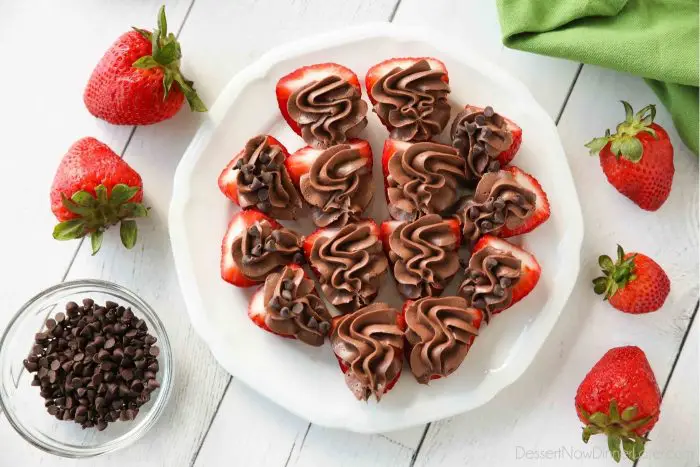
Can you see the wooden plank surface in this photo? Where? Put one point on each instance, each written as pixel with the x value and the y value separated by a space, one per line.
pixel 535 417
pixel 210 415
pixel 676 436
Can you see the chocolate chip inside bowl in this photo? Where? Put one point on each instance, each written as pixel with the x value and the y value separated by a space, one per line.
pixel 94 364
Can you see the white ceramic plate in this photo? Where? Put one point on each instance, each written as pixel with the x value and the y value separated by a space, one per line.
pixel 306 380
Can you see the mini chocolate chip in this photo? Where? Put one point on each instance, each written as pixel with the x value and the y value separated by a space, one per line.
pixel 263 194
pixel 288 284
pixel 312 324
pixel 256 184
pixel 490 262
pixel 60 316
pixel 473 213
pixel 324 326
pixel 499 204
pixel 109 304
pixel 254 230
pixel 149 340
pixel 55 365
pixel 486 225
pixel 238 164
pixel 486 132
pixel 88 302
pixel 480 119
pixel 498 217
pixel 478 149
pixel 488 111
pixel 50 324
pixel 264 206
pixel 270 244
pixel 298 308
pixel 109 343
pixel 257 250
pixel 494 166
pixel 286 294
pixel 53 410
pixel 152 385
pixel 155 351
pixel 498 291
pixel 505 282
pixel 298 258
pixel 284 312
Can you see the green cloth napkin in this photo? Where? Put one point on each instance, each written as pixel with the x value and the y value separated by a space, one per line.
pixel 655 39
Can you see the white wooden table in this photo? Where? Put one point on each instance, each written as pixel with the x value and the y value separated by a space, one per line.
pixel 48 50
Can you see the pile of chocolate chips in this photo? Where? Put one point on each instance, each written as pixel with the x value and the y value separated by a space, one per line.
pixel 94 364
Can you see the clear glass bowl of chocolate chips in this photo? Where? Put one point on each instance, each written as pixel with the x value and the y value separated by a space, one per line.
pixel 85 369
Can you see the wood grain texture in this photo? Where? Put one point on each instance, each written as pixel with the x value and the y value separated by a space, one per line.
pixel 535 417
pixel 51 61
pixel 676 435
pixel 475 23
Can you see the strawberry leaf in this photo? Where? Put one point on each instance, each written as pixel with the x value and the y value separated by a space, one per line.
pixel 600 285
pixel 74 207
pixel 132 210
pixel 167 54
pixel 96 241
pixel 193 100
pixel 146 34
pixel 83 198
pixel 69 230
pixel 146 62
pixel 162 21
pixel 128 233
pixel 614 413
pixel 631 148
pixel 101 192
pixel 629 413
pixel 614 447
pixel 606 263
pixel 597 144
pixel 122 193
pixel 168 78
pixel 629 113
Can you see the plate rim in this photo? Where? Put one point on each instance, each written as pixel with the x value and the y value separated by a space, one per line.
pixel 258 69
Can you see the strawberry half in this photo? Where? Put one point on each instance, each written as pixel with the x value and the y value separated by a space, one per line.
pixel 345 366
pixel 299 163
pixel 327 233
pixel 391 147
pixel 477 316
pixel 382 68
pixel 227 179
pixel 305 75
pixel 530 269
pixel 257 312
pixel 230 272
pixel 542 209
pixel 424 255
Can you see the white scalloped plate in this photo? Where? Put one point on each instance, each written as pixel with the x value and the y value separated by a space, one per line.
pixel 306 380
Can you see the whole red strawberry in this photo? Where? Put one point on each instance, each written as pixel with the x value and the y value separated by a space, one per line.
pixel 94 188
pixel 620 398
pixel 138 81
pixel 638 158
pixel 634 284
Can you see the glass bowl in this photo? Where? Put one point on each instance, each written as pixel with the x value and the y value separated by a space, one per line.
pixel 24 406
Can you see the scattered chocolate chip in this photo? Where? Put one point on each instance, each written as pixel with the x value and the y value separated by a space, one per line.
pixel 264 206
pixel 92 358
pixel 256 184
pixel 263 194
pixel 324 326
pixel 257 250
pixel 499 204
pixel 478 149
pixel 480 119
pixel 505 282
pixel 488 111
pixel 254 230
pixel 270 244
pixel 275 303
pixel 286 294
pixel 288 284
pixel 486 225
pixel 312 324
pixel 298 258
pixel 284 312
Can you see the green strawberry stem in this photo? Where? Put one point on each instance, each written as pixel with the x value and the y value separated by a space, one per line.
pixel 624 141
pixel 619 428
pixel 616 275
pixel 166 54
pixel 97 213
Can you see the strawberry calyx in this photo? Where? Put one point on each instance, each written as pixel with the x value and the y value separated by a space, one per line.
pixel 96 213
pixel 619 428
pixel 616 275
pixel 624 141
pixel 166 54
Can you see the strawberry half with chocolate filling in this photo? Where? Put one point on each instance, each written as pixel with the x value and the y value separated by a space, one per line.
pixel 287 305
pixel 349 262
pixel 440 332
pixel 423 253
pixel 257 177
pixel 487 140
pixel 322 103
pixel 499 275
pixel 410 96
pixel 93 189
pixel 254 246
pixel 368 345
pixel 421 178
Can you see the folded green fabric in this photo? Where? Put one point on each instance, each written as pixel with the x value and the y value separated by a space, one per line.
pixel 655 39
